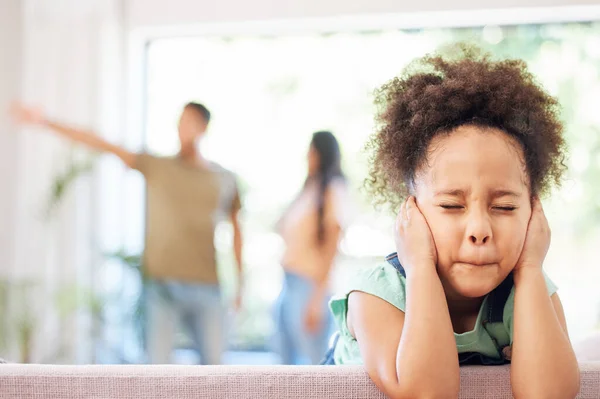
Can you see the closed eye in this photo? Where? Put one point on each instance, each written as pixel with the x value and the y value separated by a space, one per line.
pixel 445 206
pixel 505 208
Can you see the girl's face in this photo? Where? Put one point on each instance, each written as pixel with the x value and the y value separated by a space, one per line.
pixel 473 191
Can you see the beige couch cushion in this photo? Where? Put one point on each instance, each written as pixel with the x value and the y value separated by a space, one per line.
pixel 236 382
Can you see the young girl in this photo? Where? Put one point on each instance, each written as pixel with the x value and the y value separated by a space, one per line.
pixel 465 147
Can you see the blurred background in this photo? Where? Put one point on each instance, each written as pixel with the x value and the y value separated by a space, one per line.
pixel 272 73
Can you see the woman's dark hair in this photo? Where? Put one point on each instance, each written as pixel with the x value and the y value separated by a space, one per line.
pixel 200 109
pixel 437 93
pixel 328 150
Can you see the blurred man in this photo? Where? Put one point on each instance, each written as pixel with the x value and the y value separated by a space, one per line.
pixel 187 196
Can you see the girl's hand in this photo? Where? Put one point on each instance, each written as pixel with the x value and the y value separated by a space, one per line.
pixel 537 240
pixel 414 241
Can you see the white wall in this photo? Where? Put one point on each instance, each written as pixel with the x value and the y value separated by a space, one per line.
pixel 10 76
pixel 66 58
pixel 162 12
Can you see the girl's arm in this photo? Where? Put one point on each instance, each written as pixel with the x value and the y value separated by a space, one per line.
pixel 543 361
pixel 410 354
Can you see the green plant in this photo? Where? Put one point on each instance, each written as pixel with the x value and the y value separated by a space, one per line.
pixel 3 314
pixel 136 312
pixel 18 317
pixel 64 180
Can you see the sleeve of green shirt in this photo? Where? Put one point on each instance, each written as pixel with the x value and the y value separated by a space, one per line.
pixel 382 281
pixel 508 314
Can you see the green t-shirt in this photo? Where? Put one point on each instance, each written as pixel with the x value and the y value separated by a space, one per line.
pixel 385 282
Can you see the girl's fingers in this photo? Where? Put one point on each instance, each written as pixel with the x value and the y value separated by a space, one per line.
pixel 400 217
pixel 410 206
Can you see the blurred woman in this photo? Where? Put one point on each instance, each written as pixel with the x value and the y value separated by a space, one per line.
pixel 311 228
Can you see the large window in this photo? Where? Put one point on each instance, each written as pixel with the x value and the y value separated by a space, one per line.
pixel 269 93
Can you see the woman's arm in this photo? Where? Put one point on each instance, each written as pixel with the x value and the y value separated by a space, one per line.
pixel 543 361
pixel 334 217
pixel 314 310
pixel 237 251
pixel 27 115
pixel 328 250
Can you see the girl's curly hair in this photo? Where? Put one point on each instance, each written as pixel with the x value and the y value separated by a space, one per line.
pixel 437 93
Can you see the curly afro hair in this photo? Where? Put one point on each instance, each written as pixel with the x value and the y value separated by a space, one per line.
pixel 436 94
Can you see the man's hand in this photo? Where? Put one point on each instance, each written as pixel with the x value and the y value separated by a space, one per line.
pixel 25 115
